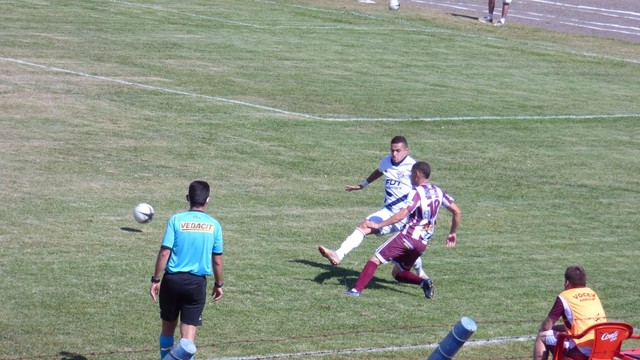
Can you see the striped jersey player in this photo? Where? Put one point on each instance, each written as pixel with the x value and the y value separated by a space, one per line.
pixel 396 170
pixel 424 205
pixel 405 247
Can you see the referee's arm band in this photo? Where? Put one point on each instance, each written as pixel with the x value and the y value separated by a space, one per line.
pixel 364 183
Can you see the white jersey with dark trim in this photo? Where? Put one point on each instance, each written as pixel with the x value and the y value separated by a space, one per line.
pixel 397 182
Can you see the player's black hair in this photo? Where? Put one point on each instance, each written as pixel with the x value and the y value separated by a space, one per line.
pixel 576 275
pixel 399 140
pixel 423 168
pixel 198 193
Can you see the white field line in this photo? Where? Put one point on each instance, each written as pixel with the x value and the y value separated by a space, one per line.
pixel 240 23
pixel 375 350
pixel 162 89
pixel 470 118
pixel 303 115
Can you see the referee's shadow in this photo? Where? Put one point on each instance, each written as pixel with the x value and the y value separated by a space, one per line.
pixel 348 277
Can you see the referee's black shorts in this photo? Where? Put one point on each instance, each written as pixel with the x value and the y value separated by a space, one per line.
pixel 183 294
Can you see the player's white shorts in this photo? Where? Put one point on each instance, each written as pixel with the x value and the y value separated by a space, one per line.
pixel 550 337
pixel 382 215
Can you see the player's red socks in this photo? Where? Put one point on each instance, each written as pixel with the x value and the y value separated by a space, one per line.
pixel 366 275
pixel 408 277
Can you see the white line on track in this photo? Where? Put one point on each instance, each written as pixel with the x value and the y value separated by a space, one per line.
pixel 374 350
pixel 601 27
pixel 610 27
pixel 588 8
pixel 302 115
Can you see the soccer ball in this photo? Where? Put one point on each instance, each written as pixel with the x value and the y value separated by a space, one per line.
pixel 143 213
pixel 394 4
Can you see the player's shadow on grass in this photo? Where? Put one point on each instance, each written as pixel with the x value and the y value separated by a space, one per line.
pixel 128 229
pixel 348 277
pixel 65 355
pixel 475 18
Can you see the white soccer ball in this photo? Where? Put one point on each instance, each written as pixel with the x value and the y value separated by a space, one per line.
pixel 143 213
pixel 394 4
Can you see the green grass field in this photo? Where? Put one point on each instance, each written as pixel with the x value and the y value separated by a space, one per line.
pixel 279 105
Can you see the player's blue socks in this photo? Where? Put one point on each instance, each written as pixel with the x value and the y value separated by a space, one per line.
pixel 166 343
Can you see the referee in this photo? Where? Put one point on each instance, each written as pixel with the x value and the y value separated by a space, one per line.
pixel 191 250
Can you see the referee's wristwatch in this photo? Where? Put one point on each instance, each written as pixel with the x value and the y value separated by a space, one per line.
pixel 154 280
pixel 218 286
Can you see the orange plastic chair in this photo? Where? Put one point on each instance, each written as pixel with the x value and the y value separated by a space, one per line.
pixel 608 337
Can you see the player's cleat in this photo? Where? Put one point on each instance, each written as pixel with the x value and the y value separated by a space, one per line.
pixel 486 19
pixel 427 287
pixel 353 293
pixel 330 255
pixel 499 23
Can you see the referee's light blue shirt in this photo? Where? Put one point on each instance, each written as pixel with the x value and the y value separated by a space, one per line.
pixel 193 236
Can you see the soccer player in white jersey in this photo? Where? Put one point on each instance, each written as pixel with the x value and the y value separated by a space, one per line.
pixel 405 247
pixel 396 169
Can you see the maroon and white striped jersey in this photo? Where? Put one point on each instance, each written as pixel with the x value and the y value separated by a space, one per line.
pixel 424 202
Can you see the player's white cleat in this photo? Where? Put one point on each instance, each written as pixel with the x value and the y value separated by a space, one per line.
pixel 353 292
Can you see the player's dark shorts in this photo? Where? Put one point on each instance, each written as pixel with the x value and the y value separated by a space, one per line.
pixel 183 294
pixel 401 249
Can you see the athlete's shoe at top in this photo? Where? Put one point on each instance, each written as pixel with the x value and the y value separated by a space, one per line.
pixel 427 287
pixel 330 255
pixel 486 19
pixel 353 292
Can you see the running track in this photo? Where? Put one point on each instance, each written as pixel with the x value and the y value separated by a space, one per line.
pixel 618 19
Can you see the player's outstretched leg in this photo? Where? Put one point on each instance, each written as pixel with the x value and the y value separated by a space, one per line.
pixel 330 255
pixel 351 242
